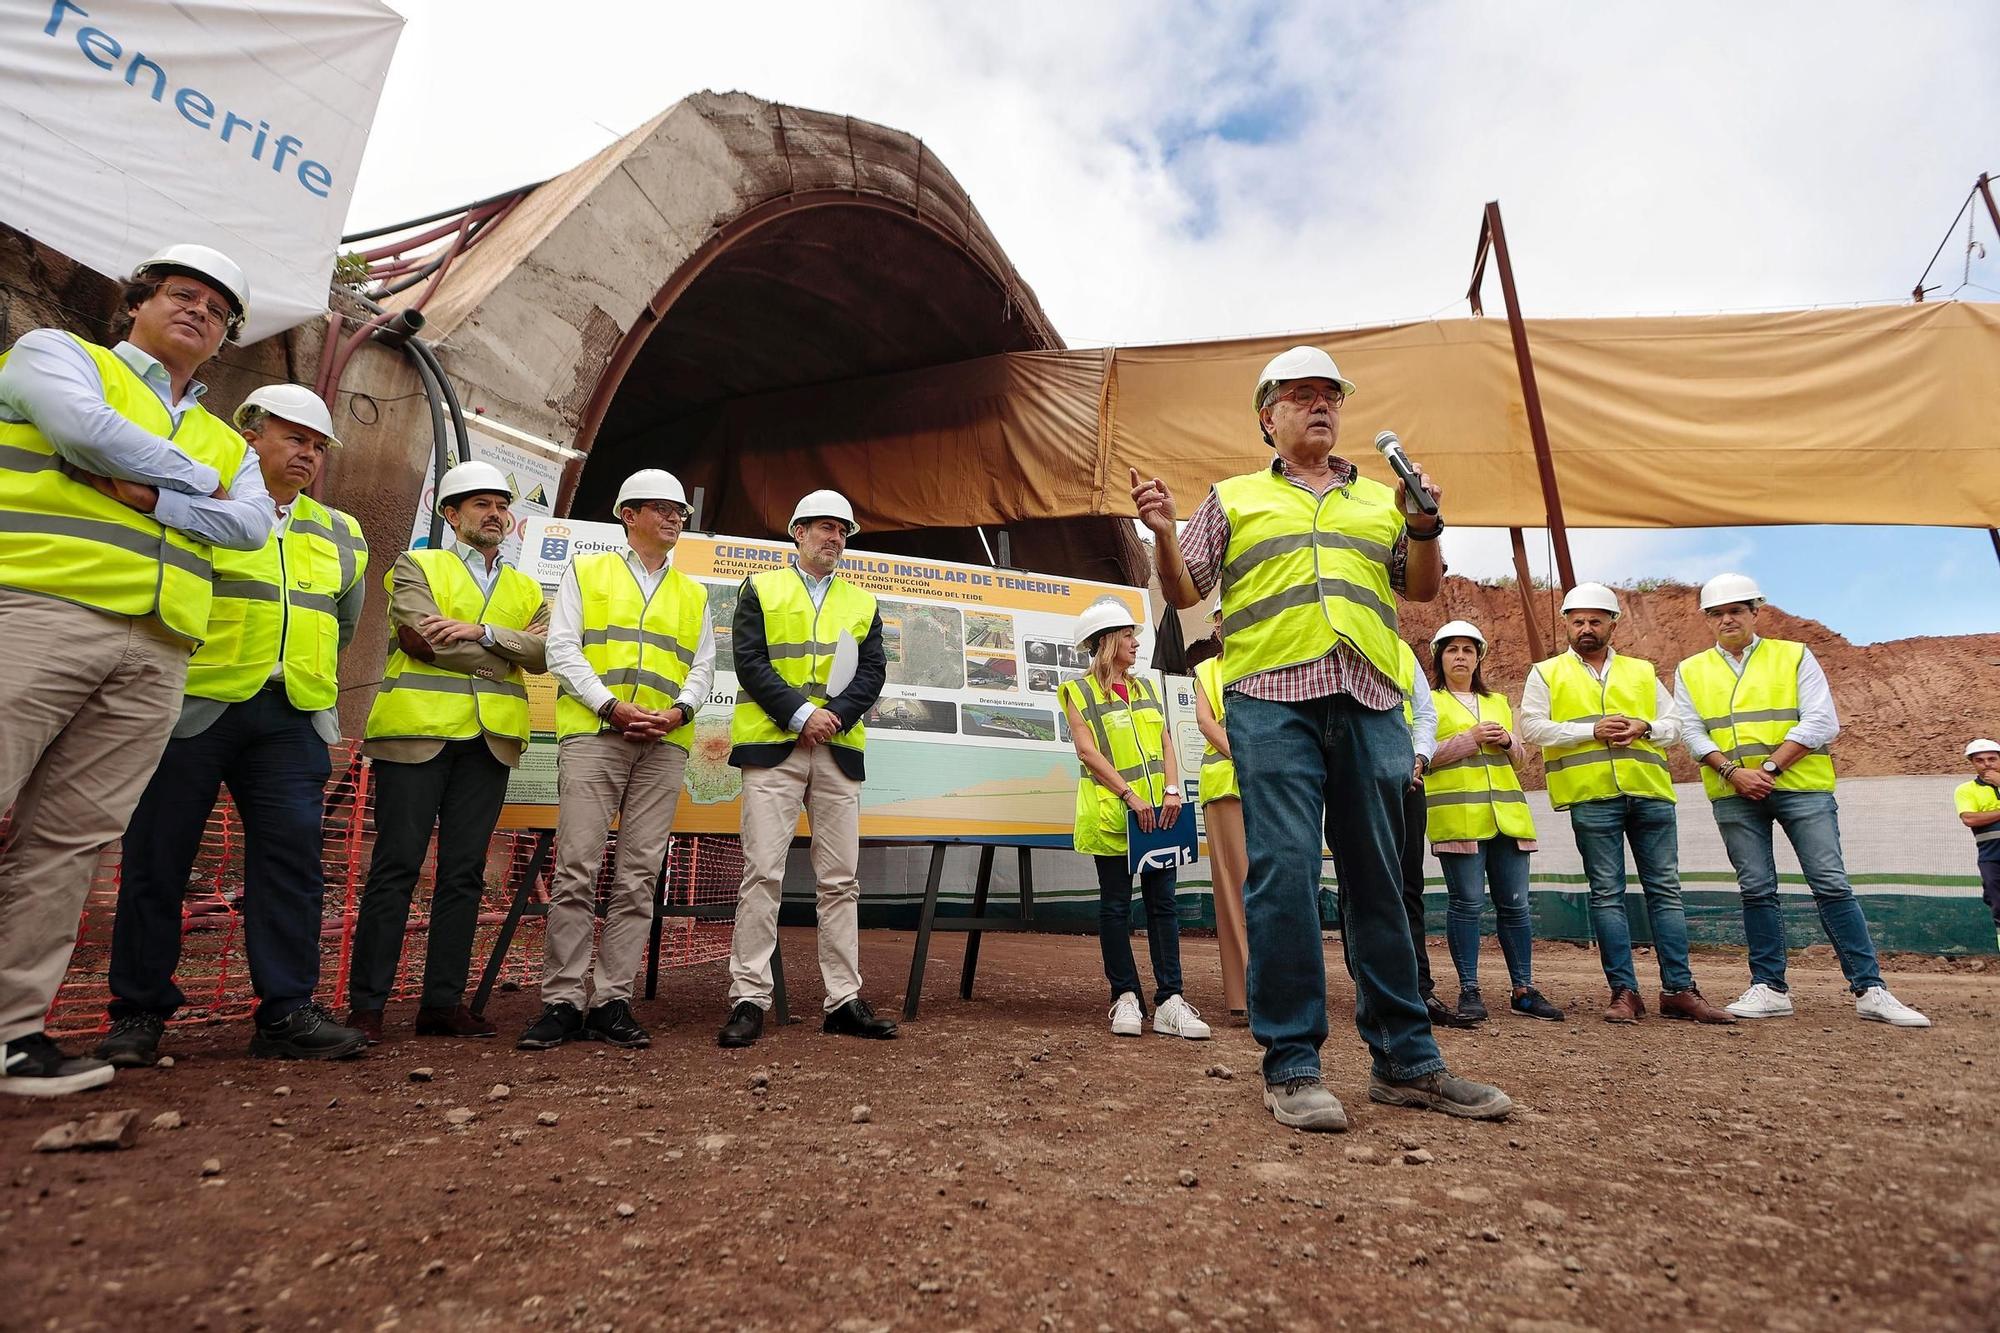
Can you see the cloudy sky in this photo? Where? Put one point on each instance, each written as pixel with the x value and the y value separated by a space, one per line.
pixel 1167 171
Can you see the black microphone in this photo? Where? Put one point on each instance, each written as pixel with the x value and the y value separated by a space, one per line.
pixel 1391 448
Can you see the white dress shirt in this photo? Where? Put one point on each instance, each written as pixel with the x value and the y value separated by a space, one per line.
pixel 1818 724
pixel 1536 729
pixel 565 642
pixel 815 589
pixel 1423 718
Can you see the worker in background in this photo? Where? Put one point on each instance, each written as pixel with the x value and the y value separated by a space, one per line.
pixel 1757 715
pixel 448 724
pixel 1118 728
pixel 116 489
pixel 633 653
pixel 1222 811
pixel 1420 712
pixel 1311 556
pixel 1978 803
pixel 797 735
pixel 1604 721
pixel 1478 822
pixel 259 715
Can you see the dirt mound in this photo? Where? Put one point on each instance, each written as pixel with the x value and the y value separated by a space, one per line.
pixel 1906 707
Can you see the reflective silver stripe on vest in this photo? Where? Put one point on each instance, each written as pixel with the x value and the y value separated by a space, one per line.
pixel 108 534
pixel 1988 835
pixel 1604 755
pixel 1308 594
pixel 249 590
pixel 639 676
pixel 1755 715
pixel 1478 759
pixel 16 459
pixel 666 643
pixel 1093 713
pixel 1475 797
pixel 1273 547
pixel 1743 752
pixel 455 685
pixel 315 601
pixel 349 545
pixel 809 649
pixel 1132 774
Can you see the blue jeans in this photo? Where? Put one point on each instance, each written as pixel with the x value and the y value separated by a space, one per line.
pixel 1501 865
pixel 275 766
pixel 1602 829
pixel 1327 766
pixel 1114 928
pixel 1811 821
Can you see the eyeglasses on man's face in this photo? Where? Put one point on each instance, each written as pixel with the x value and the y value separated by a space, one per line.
pixel 1306 395
pixel 198 302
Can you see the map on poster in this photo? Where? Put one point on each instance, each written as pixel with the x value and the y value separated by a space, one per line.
pixel 967 742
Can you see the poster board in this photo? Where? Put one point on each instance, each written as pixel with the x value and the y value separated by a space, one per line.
pixel 967 743
pixel 532 466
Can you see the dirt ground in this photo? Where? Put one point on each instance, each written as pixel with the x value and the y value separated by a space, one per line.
pixel 1020 1168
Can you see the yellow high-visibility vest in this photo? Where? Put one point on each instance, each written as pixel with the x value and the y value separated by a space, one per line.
pixel 1590 770
pixel 800 639
pixel 61 538
pixel 1747 716
pixel 419 700
pixel 641 647
pixel 279 604
pixel 1479 796
pixel 1132 736
pixel 1218 774
pixel 1301 575
pixel 1976 798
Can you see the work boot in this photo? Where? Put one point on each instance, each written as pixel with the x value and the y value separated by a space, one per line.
pixel 1443 1015
pixel 613 1024
pixel 307 1033
pixel 133 1042
pixel 558 1023
pixel 856 1019
pixel 1305 1103
pixel 457 1021
pixel 745 1025
pixel 368 1022
pixel 1625 1007
pixel 1690 1005
pixel 1442 1091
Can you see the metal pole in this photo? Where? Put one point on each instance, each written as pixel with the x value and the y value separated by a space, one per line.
pixel 1531 398
pixel 1994 533
pixel 1525 582
pixel 1986 193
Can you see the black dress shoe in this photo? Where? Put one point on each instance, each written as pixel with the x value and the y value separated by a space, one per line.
pixel 309 1033
pixel 1443 1015
pixel 613 1024
pixel 745 1025
pixel 560 1022
pixel 1470 1007
pixel 133 1042
pixel 856 1019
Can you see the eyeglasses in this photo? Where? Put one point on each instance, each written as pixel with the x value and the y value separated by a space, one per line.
pixel 188 298
pixel 1305 395
pixel 665 509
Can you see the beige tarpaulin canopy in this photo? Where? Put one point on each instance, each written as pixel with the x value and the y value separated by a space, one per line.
pixel 1876 415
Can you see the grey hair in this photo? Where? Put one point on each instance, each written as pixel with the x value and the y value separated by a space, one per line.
pixel 251 417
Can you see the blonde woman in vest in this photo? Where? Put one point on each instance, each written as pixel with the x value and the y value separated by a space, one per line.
pixel 258 718
pixel 1757 715
pixel 1478 821
pixel 448 723
pixel 116 487
pixel 1222 811
pixel 633 652
pixel 1118 728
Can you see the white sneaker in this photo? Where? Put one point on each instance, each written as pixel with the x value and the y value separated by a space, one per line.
pixel 1878 1004
pixel 1178 1018
pixel 1126 1020
pixel 1760 1001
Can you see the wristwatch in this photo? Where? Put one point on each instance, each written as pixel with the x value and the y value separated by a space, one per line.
pixel 1771 766
pixel 1173 790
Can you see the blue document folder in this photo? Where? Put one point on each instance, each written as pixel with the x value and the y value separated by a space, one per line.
pixel 1163 847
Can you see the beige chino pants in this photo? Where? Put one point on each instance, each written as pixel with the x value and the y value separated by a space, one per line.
pixel 809 779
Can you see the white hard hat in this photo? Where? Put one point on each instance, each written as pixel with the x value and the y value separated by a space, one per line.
pixel 1590 597
pixel 1103 614
pixel 294 403
pixel 472 478
pixel 652 483
pixel 1982 746
pixel 212 267
pixel 1726 588
pixel 824 504
pixel 1459 629
pixel 1300 363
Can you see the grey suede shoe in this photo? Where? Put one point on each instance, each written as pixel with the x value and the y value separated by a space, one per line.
pixel 1443 1091
pixel 1304 1103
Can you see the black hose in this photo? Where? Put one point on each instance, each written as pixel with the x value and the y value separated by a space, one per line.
pixel 438 216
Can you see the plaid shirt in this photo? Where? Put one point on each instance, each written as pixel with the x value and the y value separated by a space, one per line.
pixel 1344 670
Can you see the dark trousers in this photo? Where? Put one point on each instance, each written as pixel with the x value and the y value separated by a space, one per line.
pixel 1114 928
pixel 1414 817
pixel 275 766
pixel 459 792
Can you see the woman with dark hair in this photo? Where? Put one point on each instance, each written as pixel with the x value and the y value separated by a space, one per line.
pixel 1478 821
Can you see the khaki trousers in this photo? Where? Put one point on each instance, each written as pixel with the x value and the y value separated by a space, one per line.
pixel 598 777
pixel 772 798
pixel 1228 864
pixel 87 701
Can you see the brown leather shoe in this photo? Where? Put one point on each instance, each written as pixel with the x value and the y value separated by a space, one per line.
pixel 1689 1004
pixel 368 1022
pixel 455 1022
pixel 1625 1007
